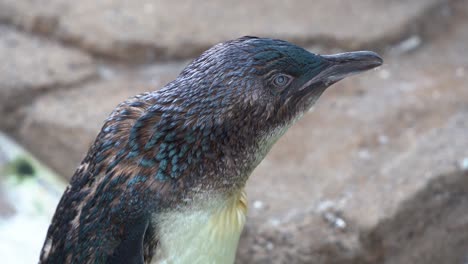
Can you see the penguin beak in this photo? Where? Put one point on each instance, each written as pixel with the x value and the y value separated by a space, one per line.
pixel 342 65
pixel 333 69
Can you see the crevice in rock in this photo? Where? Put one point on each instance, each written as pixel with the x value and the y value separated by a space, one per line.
pixel 435 218
pixel 15 112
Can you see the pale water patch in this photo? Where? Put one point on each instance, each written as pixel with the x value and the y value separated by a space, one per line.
pixel 32 193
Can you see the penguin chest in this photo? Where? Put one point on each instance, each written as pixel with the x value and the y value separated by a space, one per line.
pixel 207 233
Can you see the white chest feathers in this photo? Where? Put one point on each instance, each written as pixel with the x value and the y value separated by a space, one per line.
pixel 207 234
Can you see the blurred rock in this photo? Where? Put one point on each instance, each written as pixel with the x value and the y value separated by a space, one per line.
pixel 147 29
pixel 32 65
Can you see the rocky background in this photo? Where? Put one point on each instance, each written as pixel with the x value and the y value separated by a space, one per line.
pixel 376 173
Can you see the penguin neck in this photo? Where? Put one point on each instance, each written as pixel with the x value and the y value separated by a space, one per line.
pixel 206 231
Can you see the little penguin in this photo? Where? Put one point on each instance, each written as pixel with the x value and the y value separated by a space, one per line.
pixel 164 180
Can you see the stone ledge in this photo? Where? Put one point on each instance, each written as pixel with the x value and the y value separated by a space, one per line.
pixel 32 65
pixel 142 30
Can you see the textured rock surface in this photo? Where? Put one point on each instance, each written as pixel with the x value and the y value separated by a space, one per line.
pixel 144 29
pixel 372 175
pixel 32 65
pixel 429 228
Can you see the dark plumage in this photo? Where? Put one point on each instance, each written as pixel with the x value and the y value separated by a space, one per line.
pixel 198 138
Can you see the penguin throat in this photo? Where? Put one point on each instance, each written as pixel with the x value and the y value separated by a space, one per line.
pixel 207 232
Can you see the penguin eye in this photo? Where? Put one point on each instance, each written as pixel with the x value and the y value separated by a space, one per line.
pixel 281 80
